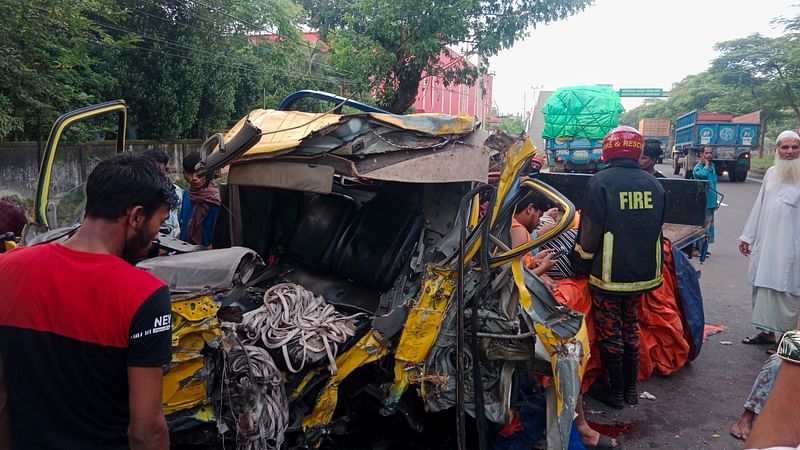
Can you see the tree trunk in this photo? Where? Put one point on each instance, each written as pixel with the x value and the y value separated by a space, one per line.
pixel 408 84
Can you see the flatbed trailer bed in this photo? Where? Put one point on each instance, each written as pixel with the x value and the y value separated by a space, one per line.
pixel 683 236
pixel 685 215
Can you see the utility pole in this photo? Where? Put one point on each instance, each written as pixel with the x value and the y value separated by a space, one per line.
pixel 524 103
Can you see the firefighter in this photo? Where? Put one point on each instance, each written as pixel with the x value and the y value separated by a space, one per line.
pixel 619 246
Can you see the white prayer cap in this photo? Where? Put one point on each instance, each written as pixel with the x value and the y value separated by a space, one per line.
pixel 788 134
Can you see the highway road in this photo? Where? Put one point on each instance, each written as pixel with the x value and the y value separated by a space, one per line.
pixel 695 408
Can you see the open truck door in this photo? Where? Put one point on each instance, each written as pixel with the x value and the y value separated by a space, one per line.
pixel 59 204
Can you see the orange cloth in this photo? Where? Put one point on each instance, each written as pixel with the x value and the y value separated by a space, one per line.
pixel 664 347
pixel 527 260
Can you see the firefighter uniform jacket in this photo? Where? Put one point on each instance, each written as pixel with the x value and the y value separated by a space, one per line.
pixel 619 239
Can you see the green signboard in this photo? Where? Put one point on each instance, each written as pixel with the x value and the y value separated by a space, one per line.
pixel 641 92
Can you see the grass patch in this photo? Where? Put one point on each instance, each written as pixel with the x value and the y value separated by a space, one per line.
pixel 760 165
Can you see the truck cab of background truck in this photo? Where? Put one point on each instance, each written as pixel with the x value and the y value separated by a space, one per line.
pixel 732 140
pixel 575 156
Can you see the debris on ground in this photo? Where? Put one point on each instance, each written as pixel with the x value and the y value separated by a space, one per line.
pixel 711 329
pixel 726 343
pixel 647 396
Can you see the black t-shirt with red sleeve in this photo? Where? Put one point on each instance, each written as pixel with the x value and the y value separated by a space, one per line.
pixel 71 323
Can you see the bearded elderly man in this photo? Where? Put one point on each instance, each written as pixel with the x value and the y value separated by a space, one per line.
pixel 771 238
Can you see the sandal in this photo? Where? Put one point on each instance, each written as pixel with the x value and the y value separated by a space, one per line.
pixel 603 443
pixel 758 339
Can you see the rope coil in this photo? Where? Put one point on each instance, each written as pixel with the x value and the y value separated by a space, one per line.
pixel 301 324
pixel 263 415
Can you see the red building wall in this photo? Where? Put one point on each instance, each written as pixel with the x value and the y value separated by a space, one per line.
pixel 434 97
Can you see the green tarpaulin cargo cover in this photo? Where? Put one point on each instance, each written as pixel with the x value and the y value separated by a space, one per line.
pixel 588 112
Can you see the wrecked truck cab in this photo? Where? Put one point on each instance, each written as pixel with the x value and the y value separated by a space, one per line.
pixel 365 211
pixel 361 265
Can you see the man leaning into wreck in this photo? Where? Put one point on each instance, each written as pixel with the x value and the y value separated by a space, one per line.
pixel 83 333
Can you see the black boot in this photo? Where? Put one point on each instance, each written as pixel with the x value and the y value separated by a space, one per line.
pixel 611 393
pixel 630 367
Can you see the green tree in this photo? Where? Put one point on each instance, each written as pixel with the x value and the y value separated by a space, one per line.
pixel 511 125
pixel 46 63
pixel 386 45
pixel 693 92
pixel 767 68
pixel 193 67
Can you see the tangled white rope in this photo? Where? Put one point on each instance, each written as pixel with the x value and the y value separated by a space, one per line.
pixel 264 415
pixel 303 325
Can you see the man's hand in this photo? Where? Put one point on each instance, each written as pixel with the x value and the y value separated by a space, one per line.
pixel 553 213
pixel 550 284
pixel 545 228
pixel 744 248
pixel 147 428
pixel 543 261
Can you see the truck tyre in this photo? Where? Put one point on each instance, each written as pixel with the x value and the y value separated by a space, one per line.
pixel 737 176
pixel 676 165
pixel 689 161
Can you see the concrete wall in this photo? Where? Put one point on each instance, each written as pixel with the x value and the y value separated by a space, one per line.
pixel 19 163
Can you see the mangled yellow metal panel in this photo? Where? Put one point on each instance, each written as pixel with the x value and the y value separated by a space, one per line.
pixel 421 329
pixel 516 156
pixel 286 128
pixel 183 389
pixel 431 123
pixel 368 349
pixel 560 350
pixel 194 326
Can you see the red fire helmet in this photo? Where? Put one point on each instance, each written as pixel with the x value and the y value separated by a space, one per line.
pixel 623 142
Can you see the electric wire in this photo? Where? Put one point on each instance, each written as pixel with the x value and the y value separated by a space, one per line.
pixel 266 70
pixel 179 46
pixel 201 18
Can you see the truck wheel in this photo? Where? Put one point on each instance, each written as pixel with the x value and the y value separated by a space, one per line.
pixel 689 162
pixel 676 166
pixel 737 176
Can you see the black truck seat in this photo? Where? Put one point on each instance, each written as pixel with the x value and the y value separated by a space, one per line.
pixel 323 222
pixel 378 243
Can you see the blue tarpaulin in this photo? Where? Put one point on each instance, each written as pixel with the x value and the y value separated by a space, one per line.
pixel 690 300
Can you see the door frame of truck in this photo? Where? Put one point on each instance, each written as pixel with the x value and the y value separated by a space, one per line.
pixel 44 209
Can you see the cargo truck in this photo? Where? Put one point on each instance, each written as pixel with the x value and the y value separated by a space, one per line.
pixel 732 138
pixel 575 121
pixel 659 129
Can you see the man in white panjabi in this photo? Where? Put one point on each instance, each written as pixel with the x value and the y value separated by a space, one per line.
pixel 771 238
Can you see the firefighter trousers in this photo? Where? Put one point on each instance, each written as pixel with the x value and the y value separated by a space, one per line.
pixel 616 321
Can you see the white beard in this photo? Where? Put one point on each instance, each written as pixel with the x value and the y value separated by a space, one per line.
pixel 787 170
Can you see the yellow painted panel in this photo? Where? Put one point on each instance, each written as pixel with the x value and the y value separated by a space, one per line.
pixel 365 351
pixel 425 318
pixel 296 125
pixel 183 388
pixel 516 156
pixel 196 308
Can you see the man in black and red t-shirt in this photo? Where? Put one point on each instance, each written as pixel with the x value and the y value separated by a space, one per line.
pixel 84 335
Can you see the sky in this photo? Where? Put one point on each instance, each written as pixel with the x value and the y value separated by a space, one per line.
pixel 628 44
